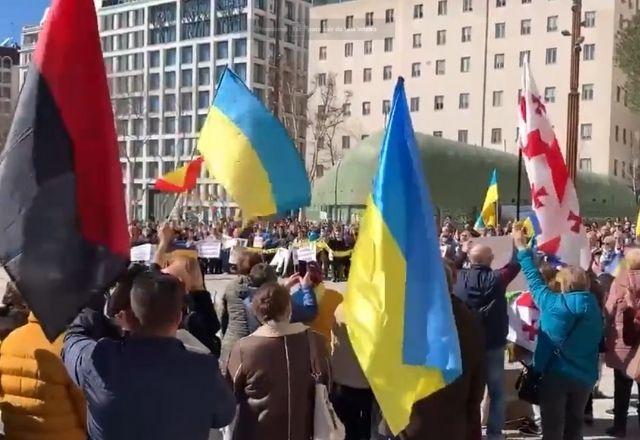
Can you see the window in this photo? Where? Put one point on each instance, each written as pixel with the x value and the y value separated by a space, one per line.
pixel 388 44
pixel 550 94
pixel 368 19
pixel 388 16
pixel 466 34
pixel 368 47
pixel 615 167
pixel 624 136
pixel 366 108
pixel 525 27
pixel 589 19
pixel 170 125
pixel 169 148
pixel 463 101
pixel 438 102
pixel 417 41
pixel 496 135
pixel 441 37
pixel 551 55
pixel 501 3
pixel 324 24
pixel 170 80
pixel 526 2
pixel 585 164
pixel 440 67
pixel 437 133
pixel 586 131
pixel 204 76
pixel 153 105
pixel 322 79
pixel 366 75
pixel 418 11
pixel 222 50
pixel 618 93
pixel 169 103
pixel 170 57
pixel 467 5
pixel 387 72
pixel 465 64
pixel 154 59
pixel 525 55
pixel 498 61
pixel 204 52
pixel 497 98
pixel 348 49
pixel 154 81
pixel 186 78
pixel 463 136
pixel 186 55
pixel 552 23
pixel 415 70
pixel 386 107
pixel 348 75
pixel 154 126
pixel 323 53
pixel 240 69
pixel 346 142
pixel 617 133
pixel 348 22
pixel 442 7
pixel 589 52
pixel 203 100
pixel 501 30
pixel 587 92
pixel 415 104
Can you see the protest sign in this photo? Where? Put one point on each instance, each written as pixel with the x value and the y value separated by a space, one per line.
pixel 229 243
pixel 143 253
pixel 307 253
pixel 209 249
pixel 258 242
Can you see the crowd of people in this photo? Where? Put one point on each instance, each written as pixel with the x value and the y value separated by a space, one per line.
pixel 158 357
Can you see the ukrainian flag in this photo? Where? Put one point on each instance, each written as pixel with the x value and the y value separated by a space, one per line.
pixel 532 228
pixel 397 305
pixel 488 216
pixel 250 153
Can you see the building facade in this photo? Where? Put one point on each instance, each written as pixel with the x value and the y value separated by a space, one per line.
pixel 462 60
pixel 163 60
pixel 9 88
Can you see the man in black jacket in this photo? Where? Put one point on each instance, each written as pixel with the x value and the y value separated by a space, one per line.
pixel 483 290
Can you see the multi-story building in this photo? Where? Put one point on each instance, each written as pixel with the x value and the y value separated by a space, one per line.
pixel 163 60
pixel 9 82
pixel 462 62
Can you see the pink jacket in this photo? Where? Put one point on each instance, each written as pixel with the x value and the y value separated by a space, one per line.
pixel 619 355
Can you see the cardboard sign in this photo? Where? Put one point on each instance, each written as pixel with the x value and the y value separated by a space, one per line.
pixel 307 253
pixel 143 253
pixel 209 249
pixel 258 242
pixel 229 243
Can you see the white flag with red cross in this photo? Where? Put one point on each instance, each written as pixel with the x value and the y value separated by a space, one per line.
pixel 553 194
pixel 524 321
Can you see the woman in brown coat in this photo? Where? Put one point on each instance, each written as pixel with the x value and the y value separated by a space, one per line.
pixel 271 372
pixel 625 361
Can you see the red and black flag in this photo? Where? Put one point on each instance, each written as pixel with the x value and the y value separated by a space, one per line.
pixel 63 230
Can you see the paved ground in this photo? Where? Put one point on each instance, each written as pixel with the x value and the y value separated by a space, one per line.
pixel 602 419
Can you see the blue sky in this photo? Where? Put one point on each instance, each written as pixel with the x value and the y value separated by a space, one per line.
pixel 17 13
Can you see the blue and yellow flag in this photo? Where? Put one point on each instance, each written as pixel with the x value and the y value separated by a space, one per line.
pixel 250 153
pixel 397 305
pixel 488 216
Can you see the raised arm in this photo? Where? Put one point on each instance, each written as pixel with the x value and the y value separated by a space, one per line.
pixel 539 289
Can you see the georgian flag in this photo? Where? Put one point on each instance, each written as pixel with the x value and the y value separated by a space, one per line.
pixel 524 321
pixel 553 194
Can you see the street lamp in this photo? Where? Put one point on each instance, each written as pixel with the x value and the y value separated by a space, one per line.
pixel 573 112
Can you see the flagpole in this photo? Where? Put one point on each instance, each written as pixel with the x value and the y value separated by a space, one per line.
pixel 519 184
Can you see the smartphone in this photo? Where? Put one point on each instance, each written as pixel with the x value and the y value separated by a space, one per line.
pixel 302 268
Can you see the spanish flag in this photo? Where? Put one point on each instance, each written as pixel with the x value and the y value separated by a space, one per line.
pixel 397 306
pixel 63 228
pixel 250 153
pixel 489 216
pixel 181 180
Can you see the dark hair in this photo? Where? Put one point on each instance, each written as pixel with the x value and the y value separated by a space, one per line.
pixel 246 261
pixel 270 301
pixel 156 299
pixel 120 298
pixel 262 273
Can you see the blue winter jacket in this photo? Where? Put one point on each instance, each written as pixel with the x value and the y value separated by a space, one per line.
pixel 559 314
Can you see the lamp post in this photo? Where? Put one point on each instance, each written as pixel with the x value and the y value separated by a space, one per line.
pixel 573 116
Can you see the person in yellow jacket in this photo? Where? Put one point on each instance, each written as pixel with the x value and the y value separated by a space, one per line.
pixel 38 401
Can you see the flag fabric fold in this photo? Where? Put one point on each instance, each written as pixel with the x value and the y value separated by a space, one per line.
pixel 250 153
pixel 489 216
pixel 182 179
pixel 553 194
pixel 398 309
pixel 63 228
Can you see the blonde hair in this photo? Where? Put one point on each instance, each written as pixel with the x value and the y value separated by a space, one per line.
pixel 632 256
pixel 572 279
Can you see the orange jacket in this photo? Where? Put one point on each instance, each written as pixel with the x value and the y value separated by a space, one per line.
pixel 328 301
pixel 38 399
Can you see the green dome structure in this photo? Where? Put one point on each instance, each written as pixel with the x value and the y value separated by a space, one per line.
pixel 458 175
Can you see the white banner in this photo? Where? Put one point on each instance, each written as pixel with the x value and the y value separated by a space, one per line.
pixel 142 253
pixel 307 253
pixel 258 242
pixel 209 249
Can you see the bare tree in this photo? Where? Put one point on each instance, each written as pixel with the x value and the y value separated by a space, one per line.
pixel 330 115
